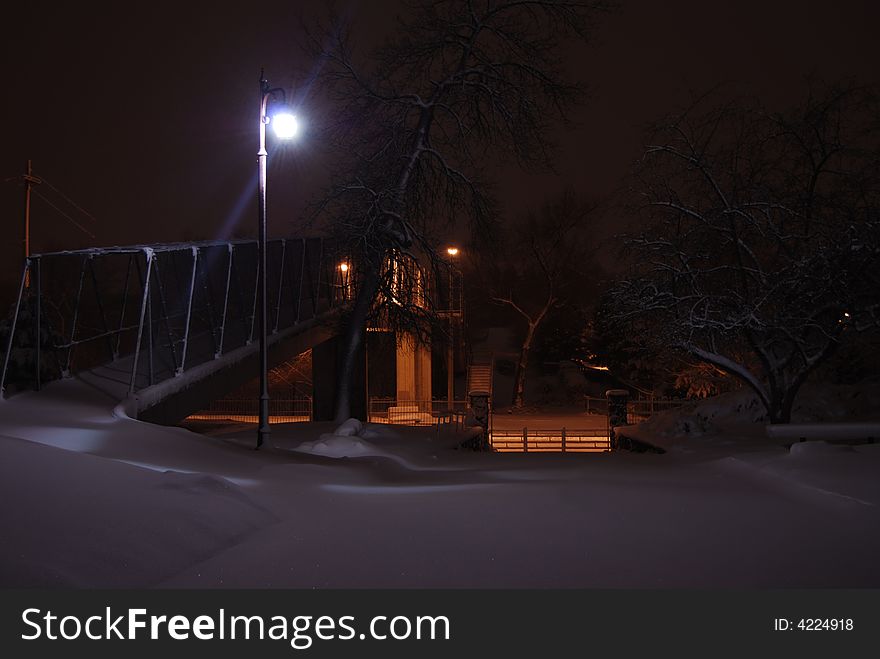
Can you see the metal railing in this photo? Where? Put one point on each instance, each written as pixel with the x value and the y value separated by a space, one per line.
pixel 638 409
pixel 158 310
pixel 558 440
pixel 417 412
pixel 247 410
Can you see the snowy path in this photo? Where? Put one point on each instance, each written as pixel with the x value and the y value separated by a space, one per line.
pixel 90 499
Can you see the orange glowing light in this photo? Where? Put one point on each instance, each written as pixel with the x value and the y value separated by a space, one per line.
pixel 452 251
pixel 343 267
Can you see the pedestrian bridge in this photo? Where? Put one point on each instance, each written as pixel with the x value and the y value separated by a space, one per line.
pixel 164 329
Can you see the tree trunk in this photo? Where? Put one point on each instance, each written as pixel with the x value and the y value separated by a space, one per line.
pixel 353 338
pixel 519 378
pixel 777 409
pixel 782 398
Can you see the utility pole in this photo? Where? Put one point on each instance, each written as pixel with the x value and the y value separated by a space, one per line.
pixel 29 181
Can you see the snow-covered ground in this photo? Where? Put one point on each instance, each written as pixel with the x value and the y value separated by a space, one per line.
pixel 91 498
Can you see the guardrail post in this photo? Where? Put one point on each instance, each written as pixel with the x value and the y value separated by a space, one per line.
pixel 525 438
pixel 563 439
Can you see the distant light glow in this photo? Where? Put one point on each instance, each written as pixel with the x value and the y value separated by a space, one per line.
pixel 343 267
pixel 596 368
pixel 452 251
pixel 846 313
pixel 285 125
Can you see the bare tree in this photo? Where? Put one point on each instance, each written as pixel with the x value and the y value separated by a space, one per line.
pixel 417 122
pixel 537 269
pixel 762 249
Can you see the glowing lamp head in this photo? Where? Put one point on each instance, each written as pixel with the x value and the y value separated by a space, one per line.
pixel 452 251
pixel 285 124
pixel 343 267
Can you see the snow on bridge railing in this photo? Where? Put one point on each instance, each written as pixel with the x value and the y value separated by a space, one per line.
pixel 152 311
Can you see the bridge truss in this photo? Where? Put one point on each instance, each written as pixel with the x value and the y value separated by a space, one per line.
pixel 154 311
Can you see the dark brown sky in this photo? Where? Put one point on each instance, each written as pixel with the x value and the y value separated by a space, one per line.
pixel 145 114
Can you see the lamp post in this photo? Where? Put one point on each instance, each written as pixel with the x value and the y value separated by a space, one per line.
pixel 286 127
pixel 343 281
pixel 450 351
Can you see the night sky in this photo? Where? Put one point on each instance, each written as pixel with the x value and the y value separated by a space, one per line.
pixel 146 114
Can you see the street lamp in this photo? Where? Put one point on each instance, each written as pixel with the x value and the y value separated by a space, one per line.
pixel 344 281
pixel 450 351
pixel 286 127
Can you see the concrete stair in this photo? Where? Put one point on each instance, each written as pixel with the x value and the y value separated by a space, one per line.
pixel 479 378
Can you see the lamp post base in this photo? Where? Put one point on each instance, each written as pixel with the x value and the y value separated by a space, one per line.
pixel 263 428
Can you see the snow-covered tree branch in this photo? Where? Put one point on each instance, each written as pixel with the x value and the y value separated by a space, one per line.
pixel 761 246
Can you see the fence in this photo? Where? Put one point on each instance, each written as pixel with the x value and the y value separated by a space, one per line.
pixel 558 440
pixel 246 411
pixel 638 409
pixel 417 412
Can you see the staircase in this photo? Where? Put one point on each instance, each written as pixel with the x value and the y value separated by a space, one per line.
pixel 479 378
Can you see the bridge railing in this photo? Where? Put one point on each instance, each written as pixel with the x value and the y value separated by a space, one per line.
pixel 152 312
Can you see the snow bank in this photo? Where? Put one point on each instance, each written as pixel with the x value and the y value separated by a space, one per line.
pixel 77 520
pixel 738 419
pixel 414 448
pixel 834 477
pixel 427 517
pixel 349 428
pixel 338 446
pixel 343 442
